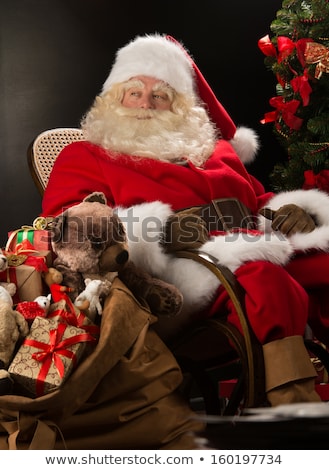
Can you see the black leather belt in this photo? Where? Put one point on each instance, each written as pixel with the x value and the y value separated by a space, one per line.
pixel 226 214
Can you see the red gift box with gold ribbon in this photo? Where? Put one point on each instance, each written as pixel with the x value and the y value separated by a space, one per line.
pixel 38 235
pixel 48 355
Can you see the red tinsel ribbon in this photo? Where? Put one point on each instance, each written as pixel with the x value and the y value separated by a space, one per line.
pixel 286 110
pixel 319 180
pixel 51 352
pixel 317 54
pixel 25 253
pixel 30 310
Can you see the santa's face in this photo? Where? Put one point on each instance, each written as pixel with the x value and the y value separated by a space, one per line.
pixel 145 117
pixel 144 92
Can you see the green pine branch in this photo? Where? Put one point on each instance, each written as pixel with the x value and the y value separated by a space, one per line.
pixel 304 134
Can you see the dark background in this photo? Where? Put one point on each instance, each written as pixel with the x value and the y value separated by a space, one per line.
pixel 56 54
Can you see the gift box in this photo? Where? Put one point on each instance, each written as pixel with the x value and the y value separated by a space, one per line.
pixel 48 355
pixel 25 266
pixel 27 280
pixel 40 239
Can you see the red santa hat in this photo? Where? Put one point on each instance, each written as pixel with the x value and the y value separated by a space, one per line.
pixel 165 58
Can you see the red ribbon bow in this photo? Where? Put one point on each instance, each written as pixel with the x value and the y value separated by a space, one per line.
pixel 301 85
pixel 25 252
pixel 319 180
pixel 51 352
pixel 266 46
pixel 286 110
pixel 285 48
pixel 74 319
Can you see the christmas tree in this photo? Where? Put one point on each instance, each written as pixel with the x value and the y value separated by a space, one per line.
pixel 297 52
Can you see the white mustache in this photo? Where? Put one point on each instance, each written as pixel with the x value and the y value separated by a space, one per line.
pixel 136 113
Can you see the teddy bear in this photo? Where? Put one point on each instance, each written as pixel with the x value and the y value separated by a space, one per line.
pixel 59 293
pixel 3 261
pixel 53 278
pixel 89 241
pixel 13 327
pixel 5 294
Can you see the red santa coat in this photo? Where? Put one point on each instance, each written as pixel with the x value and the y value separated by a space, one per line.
pixel 83 168
pixel 279 301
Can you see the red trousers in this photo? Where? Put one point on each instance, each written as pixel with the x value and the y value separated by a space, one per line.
pixel 280 301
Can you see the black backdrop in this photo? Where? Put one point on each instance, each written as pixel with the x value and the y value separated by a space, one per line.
pixel 56 54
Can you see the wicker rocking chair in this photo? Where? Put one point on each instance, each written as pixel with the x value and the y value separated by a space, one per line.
pixel 224 353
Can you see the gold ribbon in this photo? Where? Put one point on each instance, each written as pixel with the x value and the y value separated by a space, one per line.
pixel 20 254
pixel 42 223
pixel 318 54
pixel 39 223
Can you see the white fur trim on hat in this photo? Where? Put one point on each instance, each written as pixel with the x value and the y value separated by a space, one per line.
pixel 154 56
pixel 246 144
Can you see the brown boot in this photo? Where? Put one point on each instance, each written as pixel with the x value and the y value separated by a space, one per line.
pixel 289 372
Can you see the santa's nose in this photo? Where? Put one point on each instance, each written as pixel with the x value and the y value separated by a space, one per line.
pixel 146 103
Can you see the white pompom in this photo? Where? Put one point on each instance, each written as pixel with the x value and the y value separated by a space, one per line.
pixel 246 144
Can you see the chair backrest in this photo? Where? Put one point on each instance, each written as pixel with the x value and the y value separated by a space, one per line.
pixel 45 148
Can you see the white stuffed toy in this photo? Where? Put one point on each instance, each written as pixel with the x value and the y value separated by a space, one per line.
pixel 44 302
pixel 90 298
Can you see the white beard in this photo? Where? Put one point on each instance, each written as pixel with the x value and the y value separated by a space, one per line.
pixel 162 135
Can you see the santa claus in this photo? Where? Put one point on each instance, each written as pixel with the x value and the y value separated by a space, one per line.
pixel 169 158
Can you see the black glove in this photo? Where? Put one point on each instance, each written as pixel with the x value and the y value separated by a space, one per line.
pixel 185 230
pixel 289 219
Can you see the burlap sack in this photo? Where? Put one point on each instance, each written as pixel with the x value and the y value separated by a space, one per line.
pixel 122 396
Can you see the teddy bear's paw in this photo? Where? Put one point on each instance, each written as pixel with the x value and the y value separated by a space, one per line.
pixel 164 299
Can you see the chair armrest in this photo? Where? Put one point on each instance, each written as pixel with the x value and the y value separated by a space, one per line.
pixel 247 345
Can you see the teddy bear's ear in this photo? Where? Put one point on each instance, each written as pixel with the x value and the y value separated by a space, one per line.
pixel 96 197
